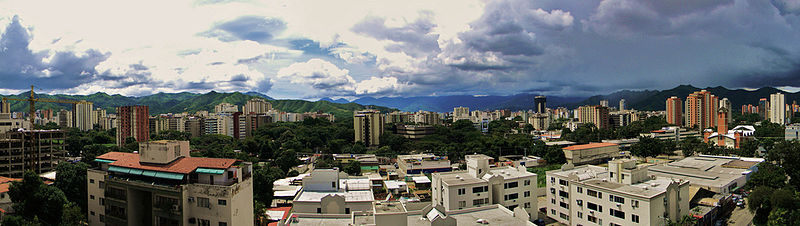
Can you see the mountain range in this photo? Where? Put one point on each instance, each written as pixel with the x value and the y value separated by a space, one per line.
pixel 192 102
pixel 188 102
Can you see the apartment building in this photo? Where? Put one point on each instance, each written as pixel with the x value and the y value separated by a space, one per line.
pixel 257 106
pixel 701 109
pixel 591 153
pixel 36 150
pixel 597 115
pixel 163 185
pixel 621 194
pixel 675 111
pixel 422 163
pixel 82 115
pixel 133 121
pixel 328 191
pixel 481 185
pixel 368 126
pixel 718 174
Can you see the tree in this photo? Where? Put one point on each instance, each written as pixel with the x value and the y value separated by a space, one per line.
pixel 72 215
pixel 769 175
pixel 686 220
pixel 170 135
pixel 648 147
pixel 71 179
pixel 787 155
pixel 263 177
pixel 353 168
pixel 759 203
pixel 287 160
pixel 16 220
pixel 90 152
pixel 33 199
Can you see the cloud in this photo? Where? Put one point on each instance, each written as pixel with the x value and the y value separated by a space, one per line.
pixel 253 28
pixel 20 66
pixel 319 74
pixel 375 85
pixel 414 39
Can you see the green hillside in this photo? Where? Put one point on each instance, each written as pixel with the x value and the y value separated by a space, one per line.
pixel 189 102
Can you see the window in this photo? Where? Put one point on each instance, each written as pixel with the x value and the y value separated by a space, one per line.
pixel 580 215
pixel 591 192
pixel 612 174
pixel 223 224
pixel 552 191
pixel 462 204
pixel 623 176
pixel 346 210
pixel 553 201
pixel 552 211
pixel 613 224
pixel 635 218
pixel 562 182
pixel 319 210
pixel 91 213
pixel 552 180
pixel 580 202
pixel 527 205
pixel 102 201
pixel 580 190
pixel 616 213
pixel 591 218
pixel 594 207
pixel 480 189
pixel 564 205
pixel 616 199
pixel 511 196
pixel 333 184
pixel 563 194
pixel 462 191
pixel 102 218
pixel 511 185
pixel 203 202
pixel 91 181
pixel 203 222
pixel 222 202
pixel 478 202
pixel 526 194
pixel 91 197
pixel 563 216
pixel 101 184
pixel 527 182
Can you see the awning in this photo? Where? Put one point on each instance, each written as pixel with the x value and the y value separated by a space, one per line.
pixel 119 169
pixel 209 171
pixel 136 172
pixel 421 180
pixel 149 173
pixel 103 160
pixel 173 176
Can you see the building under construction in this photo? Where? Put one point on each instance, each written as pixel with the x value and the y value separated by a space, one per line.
pixel 36 150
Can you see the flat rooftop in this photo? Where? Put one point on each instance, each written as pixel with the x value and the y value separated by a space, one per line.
pixel 349 196
pixel 389 207
pixel 459 178
pixel 495 216
pixel 589 146
pixel 510 173
pixel 305 220
pixel 598 177
pixel 706 171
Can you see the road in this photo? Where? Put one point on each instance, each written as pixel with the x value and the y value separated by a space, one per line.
pixel 741 217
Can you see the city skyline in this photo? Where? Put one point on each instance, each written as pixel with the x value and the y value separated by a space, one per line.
pixel 310 50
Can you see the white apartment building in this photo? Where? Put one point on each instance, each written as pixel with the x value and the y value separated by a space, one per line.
pixel 480 185
pixel 461 113
pixel 257 106
pixel 163 185
pixel 621 194
pixel 777 108
pixel 83 115
pixel 328 191
pixel 226 108
pixel 422 163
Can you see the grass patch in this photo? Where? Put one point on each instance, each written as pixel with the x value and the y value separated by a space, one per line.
pixel 540 173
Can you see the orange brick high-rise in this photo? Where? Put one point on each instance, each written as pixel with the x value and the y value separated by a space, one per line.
pixel 701 108
pixel 675 111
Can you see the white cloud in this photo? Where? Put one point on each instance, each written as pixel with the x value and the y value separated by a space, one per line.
pixel 319 74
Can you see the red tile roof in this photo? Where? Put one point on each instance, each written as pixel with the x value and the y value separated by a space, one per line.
pixel 589 145
pixel 183 165
pixel 5 182
pixel 285 210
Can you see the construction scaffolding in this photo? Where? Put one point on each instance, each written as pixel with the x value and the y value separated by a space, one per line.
pixel 36 150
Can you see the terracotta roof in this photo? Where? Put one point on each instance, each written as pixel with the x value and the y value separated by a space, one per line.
pixel 589 145
pixel 183 165
pixel 5 182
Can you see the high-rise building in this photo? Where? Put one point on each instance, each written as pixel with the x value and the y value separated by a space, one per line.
pixel 82 115
pixel 540 104
pixel 368 126
pixel 36 150
pixel 257 106
pixel 725 103
pixel 777 108
pixel 540 121
pixel 763 108
pixel 133 121
pixel 622 104
pixel 65 118
pixel 597 115
pixel 97 116
pixel 675 111
pixel 255 121
pixel 604 103
pixel 225 108
pixel 461 113
pixel 164 185
pixel 701 109
pixel 5 107
pixel 195 126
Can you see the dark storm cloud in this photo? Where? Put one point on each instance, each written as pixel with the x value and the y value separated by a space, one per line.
pixel 253 28
pixel 20 66
pixel 415 39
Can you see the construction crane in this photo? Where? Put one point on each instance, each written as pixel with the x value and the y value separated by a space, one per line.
pixel 32 115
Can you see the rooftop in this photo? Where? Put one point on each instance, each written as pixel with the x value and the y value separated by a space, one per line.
pixel 459 178
pixel 349 196
pixel 708 171
pixel 589 145
pixel 183 165
pixel 510 172
pixel 494 214
pixel 598 177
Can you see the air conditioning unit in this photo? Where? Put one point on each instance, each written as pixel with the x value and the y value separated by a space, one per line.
pixel 175 207
pixel 191 199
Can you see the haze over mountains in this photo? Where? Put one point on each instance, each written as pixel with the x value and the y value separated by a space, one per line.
pixel 191 102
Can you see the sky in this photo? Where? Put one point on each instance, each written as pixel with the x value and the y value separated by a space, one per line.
pixel 302 49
